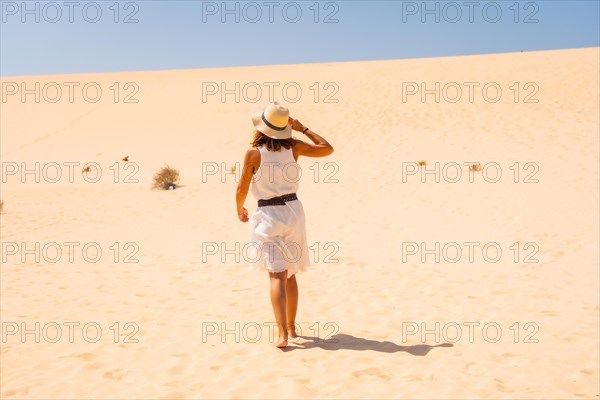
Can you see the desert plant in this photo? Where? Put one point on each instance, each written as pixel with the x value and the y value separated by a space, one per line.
pixel 166 178
pixel 475 167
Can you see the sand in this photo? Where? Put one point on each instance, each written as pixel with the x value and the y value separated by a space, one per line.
pixel 168 309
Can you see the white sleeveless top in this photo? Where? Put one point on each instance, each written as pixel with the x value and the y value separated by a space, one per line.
pixel 278 174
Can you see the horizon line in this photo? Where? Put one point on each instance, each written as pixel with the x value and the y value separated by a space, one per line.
pixel 293 64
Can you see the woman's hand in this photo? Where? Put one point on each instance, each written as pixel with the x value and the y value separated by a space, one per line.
pixel 243 215
pixel 296 125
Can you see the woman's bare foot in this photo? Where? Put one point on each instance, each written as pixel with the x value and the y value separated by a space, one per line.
pixel 292 331
pixel 283 342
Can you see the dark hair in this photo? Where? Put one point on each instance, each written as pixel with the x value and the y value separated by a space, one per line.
pixel 272 144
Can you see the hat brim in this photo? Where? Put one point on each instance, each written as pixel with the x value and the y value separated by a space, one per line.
pixel 260 126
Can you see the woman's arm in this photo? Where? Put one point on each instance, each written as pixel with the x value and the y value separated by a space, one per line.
pixel 320 148
pixel 251 164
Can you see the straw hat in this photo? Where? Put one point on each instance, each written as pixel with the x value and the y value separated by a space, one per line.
pixel 273 121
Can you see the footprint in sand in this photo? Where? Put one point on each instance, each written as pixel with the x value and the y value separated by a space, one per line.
pixel 175 395
pixel 501 388
pixel 557 253
pixel 357 264
pixel 93 366
pixel 466 367
pixel 371 372
pixel 15 392
pixel 83 356
pixel 116 374
pixel 550 313
pixel 176 370
pixel 310 361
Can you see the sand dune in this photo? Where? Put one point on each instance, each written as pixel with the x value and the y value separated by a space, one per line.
pixel 182 317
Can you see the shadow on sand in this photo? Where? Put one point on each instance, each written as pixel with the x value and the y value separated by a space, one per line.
pixel 349 342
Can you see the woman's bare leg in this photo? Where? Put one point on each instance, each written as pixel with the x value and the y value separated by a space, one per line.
pixel 278 301
pixel 292 305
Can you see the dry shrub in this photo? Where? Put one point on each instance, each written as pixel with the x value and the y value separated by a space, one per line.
pixel 475 167
pixel 166 178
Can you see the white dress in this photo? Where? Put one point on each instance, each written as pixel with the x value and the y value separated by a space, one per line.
pixel 277 233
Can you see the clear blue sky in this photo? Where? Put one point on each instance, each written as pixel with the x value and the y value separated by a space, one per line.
pixel 192 34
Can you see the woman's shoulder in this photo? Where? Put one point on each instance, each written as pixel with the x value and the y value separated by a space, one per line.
pixel 297 142
pixel 252 154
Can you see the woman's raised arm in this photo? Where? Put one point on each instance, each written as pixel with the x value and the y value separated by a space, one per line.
pixel 320 148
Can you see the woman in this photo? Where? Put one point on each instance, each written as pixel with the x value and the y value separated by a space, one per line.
pixel 277 226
